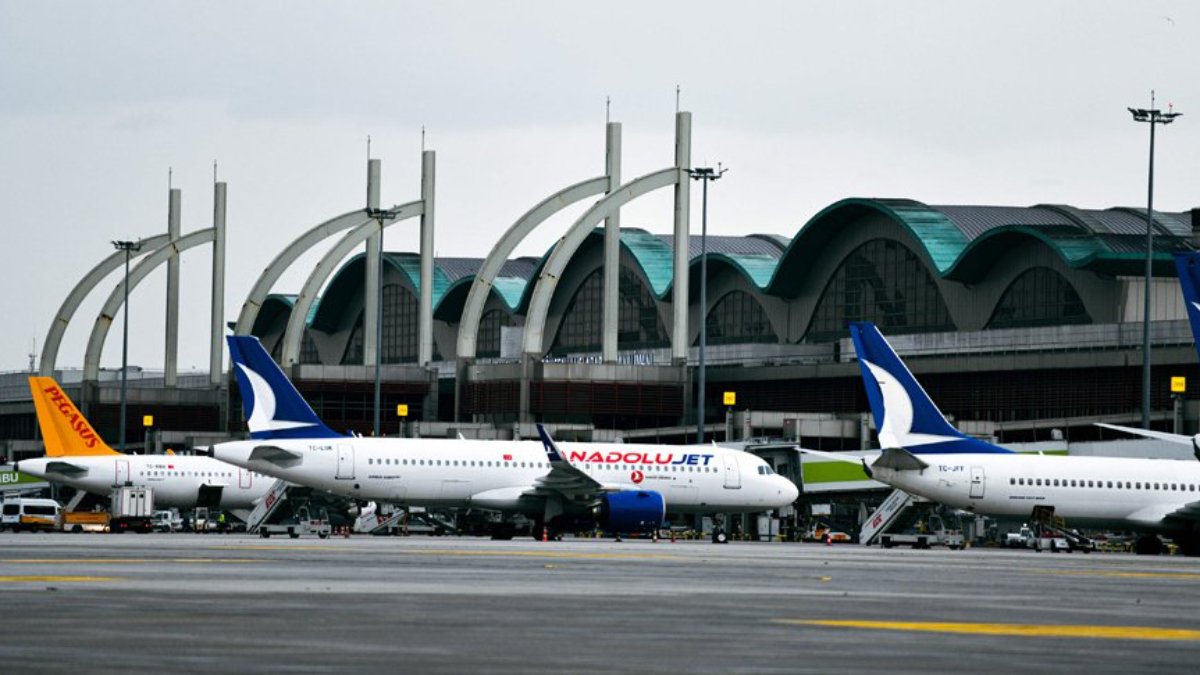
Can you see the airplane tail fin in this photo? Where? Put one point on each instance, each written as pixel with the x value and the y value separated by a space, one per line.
pixel 273 406
pixel 65 431
pixel 904 414
pixel 1188 265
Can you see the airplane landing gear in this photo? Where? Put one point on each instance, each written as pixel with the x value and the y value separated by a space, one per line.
pixel 1148 545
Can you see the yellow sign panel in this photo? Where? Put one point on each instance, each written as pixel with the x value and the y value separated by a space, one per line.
pixel 1178 385
pixel 731 398
pixel 147 420
pixel 402 410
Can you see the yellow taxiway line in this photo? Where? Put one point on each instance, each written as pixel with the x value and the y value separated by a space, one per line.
pixel 1010 629
pixel 1192 576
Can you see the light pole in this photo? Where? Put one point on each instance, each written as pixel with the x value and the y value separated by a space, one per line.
pixel 128 247
pixel 707 175
pixel 380 215
pixel 1153 117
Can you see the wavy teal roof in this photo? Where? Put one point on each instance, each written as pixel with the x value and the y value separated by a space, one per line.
pixel 963 242
pixel 349 280
pixel 754 257
pixel 273 306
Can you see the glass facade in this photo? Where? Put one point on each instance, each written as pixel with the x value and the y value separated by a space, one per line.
pixel 638 325
pixel 884 282
pixel 1039 297
pixel 400 327
pixel 738 318
pixel 488 342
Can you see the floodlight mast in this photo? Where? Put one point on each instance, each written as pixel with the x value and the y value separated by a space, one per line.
pixel 128 247
pixel 707 175
pixel 1153 117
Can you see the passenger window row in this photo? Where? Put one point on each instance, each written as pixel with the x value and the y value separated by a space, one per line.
pixel 1119 485
pixel 390 461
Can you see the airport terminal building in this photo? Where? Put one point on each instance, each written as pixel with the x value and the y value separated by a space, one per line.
pixel 1024 323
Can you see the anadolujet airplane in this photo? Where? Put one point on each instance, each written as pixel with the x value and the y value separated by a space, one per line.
pixel 924 455
pixel 78 457
pixel 623 487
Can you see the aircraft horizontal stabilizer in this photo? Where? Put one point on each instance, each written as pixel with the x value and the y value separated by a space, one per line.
pixel 899 459
pixel 65 468
pixel 275 455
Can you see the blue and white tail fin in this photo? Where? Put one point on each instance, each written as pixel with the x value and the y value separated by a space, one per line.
pixel 273 407
pixel 904 414
pixel 1188 265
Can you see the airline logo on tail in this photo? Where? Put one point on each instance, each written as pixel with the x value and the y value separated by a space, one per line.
pixel 904 414
pixel 64 429
pixel 273 407
pixel 262 417
pixel 1188 265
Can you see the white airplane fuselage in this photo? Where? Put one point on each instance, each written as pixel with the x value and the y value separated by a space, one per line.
pixel 1100 492
pixel 501 475
pixel 176 479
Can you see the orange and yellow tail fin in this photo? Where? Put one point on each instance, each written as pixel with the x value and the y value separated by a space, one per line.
pixel 64 429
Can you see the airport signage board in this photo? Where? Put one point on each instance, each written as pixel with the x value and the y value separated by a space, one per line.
pixel 1178 385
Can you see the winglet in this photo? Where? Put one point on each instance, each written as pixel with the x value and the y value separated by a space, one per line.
pixel 64 429
pixel 273 407
pixel 552 452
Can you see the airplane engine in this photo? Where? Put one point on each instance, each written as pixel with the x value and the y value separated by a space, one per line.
pixel 631 511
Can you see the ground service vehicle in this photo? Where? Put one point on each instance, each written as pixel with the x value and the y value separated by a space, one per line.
pixel 931 533
pixel 302 522
pixel 132 509
pixel 84 521
pixel 29 514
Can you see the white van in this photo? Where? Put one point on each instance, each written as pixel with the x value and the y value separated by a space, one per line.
pixel 29 514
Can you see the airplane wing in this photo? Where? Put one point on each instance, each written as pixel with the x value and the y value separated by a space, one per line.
pixel 275 455
pixel 1161 435
pixel 65 468
pixel 1186 515
pixel 564 477
pixel 837 456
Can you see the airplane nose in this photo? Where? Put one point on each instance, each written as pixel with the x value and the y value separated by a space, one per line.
pixel 789 490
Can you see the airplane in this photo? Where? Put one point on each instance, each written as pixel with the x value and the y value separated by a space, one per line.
pixel 924 455
pixel 1188 265
pixel 622 487
pixel 78 457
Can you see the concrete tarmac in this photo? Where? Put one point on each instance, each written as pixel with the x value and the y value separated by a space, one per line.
pixel 92 603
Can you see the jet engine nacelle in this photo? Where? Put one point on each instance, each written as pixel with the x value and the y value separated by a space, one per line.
pixel 631 511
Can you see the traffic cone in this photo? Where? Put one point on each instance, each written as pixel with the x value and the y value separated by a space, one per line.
pixel 545 534
pixel 828 539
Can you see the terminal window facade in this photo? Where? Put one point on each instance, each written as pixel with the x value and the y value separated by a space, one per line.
pixel 400 319
pixel 488 344
pixel 638 324
pixel 738 318
pixel 884 282
pixel 1039 297
pixel 308 349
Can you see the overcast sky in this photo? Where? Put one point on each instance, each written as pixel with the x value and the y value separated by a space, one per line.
pixel 1007 103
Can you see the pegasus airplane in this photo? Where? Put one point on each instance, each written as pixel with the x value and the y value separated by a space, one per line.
pixel 924 455
pixel 623 487
pixel 78 457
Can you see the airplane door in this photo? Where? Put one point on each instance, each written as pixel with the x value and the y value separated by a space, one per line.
pixel 345 462
pixel 733 475
pixel 244 479
pixel 977 482
pixel 122 476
